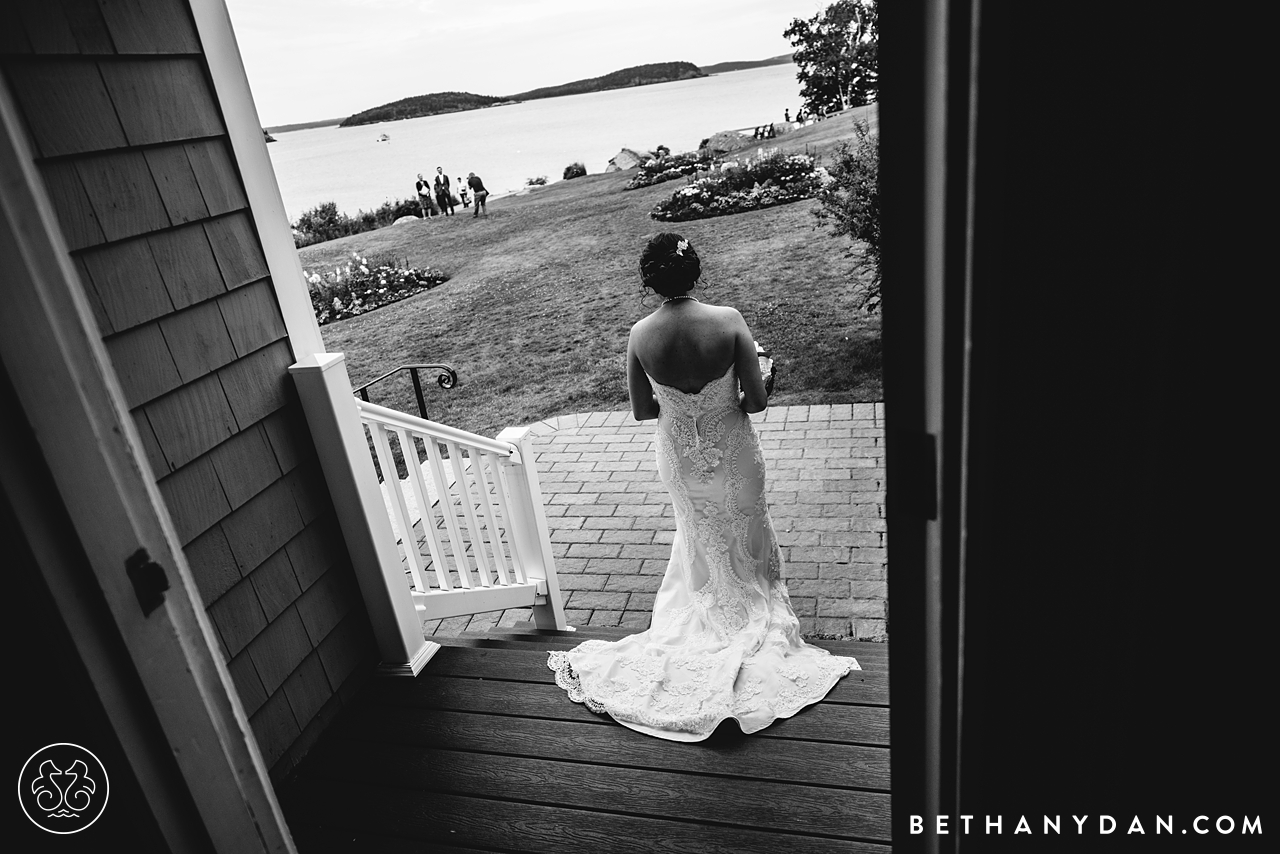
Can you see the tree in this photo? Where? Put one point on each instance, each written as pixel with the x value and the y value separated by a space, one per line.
pixel 850 205
pixel 836 51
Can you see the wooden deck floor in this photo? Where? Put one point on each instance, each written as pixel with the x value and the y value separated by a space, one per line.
pixel 482 752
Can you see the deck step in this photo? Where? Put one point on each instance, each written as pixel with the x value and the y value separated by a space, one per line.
pixel 525 630
pixel 478 641
pixel 525 636
pixel 871 656
pixel 529 664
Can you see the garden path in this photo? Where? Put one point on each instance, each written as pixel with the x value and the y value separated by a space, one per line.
pixel 611 520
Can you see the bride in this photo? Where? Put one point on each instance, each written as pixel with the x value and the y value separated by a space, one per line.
pixel 723 642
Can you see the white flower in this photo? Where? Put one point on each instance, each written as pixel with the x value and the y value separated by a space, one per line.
pixel 314 279
pixel 364 269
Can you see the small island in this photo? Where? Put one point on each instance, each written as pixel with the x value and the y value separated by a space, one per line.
pixel 452 102
pixel 420 105
pixel 637 75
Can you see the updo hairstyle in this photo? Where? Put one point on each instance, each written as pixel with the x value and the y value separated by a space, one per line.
pixel 669 265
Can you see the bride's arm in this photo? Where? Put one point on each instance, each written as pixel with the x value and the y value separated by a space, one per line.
pixel 754 396
pixel 643 403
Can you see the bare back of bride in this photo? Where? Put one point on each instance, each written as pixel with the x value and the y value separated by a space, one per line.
pixel 724 641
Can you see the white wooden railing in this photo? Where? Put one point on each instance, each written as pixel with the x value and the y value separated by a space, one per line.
pixel 468 515
pixel 477 505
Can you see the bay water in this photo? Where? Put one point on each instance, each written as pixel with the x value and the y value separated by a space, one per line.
pixel 507 145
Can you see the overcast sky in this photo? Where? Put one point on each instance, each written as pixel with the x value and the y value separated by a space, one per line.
pixel 318 59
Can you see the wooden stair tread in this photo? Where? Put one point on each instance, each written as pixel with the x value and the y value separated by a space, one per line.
pixel 842 813
pixel 864 687
pixel 540 828
pixel 727 752
pixel 835 722
pixel 870 655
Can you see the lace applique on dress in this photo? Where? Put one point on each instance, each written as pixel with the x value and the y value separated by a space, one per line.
pixel 724 641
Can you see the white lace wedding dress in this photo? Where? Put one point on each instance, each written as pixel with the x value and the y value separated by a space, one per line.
pixel 724 641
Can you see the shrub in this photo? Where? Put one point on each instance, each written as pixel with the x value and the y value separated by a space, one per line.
pixel 536 182
pixel 668 167
pixel 850 203
pixel 363 285
pixel 772 179
pixel 326 222
pixel 574 170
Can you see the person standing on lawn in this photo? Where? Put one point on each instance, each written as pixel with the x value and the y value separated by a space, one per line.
pixel 443 193
pixel 478 192
pixel 462 191
pixel 424 197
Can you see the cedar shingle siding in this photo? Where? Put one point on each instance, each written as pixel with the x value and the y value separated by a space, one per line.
pixel 127 134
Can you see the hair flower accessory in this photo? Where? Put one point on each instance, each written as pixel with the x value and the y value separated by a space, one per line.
pixel 681 246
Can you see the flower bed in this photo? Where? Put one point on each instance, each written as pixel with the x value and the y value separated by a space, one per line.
pixel 362 286
pixel 669 167
pixel 773 178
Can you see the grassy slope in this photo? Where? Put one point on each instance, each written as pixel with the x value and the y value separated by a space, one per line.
pixel 544 291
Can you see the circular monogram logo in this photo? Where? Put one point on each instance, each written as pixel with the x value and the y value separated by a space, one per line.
pixel 63 788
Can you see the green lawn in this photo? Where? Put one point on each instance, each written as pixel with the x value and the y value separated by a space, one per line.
pixel 544 291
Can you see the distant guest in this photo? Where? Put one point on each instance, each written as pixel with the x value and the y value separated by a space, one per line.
pixel 444 196
pixel 462 191
pixel 424 197
pixel 786 115
pixel 770 134
pixel 478 192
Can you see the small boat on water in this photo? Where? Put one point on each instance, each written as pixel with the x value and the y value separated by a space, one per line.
pixel 383 138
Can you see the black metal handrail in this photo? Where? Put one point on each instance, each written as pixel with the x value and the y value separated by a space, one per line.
pixel 447 379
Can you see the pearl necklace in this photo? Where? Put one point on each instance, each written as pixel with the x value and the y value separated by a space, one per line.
pixel 673 299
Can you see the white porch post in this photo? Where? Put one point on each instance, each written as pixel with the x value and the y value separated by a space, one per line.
pixel 339 438
pixel 529 529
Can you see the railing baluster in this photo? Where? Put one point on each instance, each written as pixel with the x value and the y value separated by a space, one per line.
pixel 423 496
pixel 504 504
pixel 446 510
pixel 478 461
pixel 398 506
pixel 468 507
pixel 442 498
